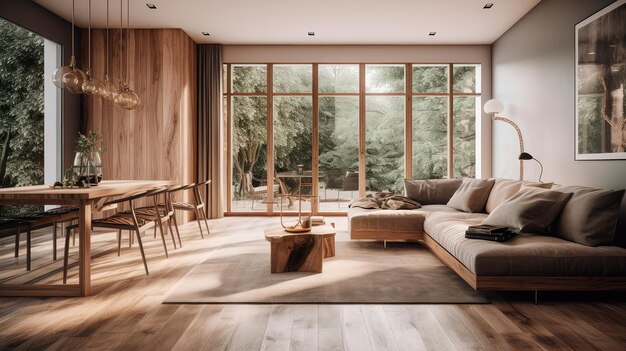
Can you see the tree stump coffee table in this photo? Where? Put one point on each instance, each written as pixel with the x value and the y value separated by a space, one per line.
pixel 300 252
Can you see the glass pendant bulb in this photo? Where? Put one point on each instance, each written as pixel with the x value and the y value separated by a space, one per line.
pixel 108 92
pixel 74 79
pixel 57 76
pixel 90 85
pixel 132 100
pixel 122 98
pixel 100 87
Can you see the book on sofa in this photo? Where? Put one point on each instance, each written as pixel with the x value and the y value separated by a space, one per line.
pixel 489 232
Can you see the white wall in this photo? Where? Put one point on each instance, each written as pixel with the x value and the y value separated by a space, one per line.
pixel 533 75
pixel 382 54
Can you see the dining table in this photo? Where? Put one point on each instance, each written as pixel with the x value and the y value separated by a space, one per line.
pixel 85 199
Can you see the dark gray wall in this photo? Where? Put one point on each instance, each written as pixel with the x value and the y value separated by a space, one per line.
pixel 41 21
pixel 533 74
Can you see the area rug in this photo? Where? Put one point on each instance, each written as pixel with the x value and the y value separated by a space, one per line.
pixel 360 273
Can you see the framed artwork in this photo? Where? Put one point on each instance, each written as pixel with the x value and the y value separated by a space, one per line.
pixel 601 84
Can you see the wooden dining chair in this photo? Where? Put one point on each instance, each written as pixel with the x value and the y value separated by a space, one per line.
pixel 27 222
pixel 197 206
pixel 160 211
pixel 120 221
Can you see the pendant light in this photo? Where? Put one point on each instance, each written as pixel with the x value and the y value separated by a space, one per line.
pixel 91 85
pixel 126 98
pixel 108 92
pixel 73 78
pixel 133 98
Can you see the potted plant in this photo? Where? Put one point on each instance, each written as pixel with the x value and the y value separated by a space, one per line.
pixel 87 162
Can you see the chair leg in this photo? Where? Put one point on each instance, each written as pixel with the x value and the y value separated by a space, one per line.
pixel 54 241
pixel 180 243
pixel 28 243
pixel 130 238
pixel 143 255
pixel 155 229
pixel 171 230
pixel 198 220
pixel 119 242
pixel 163 239
pixel 17 243
pixel 208 232
pixel 66 251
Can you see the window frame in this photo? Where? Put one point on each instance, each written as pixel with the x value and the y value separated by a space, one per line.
pixel 408 94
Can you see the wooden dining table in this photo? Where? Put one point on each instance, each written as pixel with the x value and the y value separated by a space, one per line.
pixel 84 199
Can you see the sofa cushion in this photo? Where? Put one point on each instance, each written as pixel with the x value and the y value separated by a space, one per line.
pixel 530 210
pixel 525 254
pixel 392 220
pixel 502 190
pixel 590 216
pixel 471 195
pixel 431 191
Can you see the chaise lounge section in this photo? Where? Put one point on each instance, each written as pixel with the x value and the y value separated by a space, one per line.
pixel 529 261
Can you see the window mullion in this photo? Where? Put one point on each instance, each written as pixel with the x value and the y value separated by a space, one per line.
pixel 408 123
pixel 315 141
pixel 270 138
pixel 362 130
pixel 450 123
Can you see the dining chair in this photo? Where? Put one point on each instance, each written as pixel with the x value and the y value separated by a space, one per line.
pixel 120 221
pixel 15 224
pixel 197 206
pixel 160 212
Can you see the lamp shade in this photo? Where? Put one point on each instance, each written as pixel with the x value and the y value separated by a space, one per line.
pixel 525 156
pixel 493 106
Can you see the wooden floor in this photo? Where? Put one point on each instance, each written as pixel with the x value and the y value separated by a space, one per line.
pixel 126 313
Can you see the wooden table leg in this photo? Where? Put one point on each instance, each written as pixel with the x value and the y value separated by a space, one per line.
pixel 84 248
pixel 329 246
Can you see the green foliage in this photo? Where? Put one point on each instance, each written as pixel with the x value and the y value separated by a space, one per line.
pixel 88 143
pixel 21 107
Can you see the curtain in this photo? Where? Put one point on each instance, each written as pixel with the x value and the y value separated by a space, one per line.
pixel 209 127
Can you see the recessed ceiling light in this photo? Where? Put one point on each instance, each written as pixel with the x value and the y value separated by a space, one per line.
pixel 151 6
pixel 206 34
pixel 311 34
pixel 488 5
pixel 432 34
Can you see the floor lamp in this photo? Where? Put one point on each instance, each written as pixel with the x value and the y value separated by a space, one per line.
pixel 494 107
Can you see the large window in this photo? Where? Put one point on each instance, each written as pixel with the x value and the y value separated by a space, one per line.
pixel 29 111
pixel 340 131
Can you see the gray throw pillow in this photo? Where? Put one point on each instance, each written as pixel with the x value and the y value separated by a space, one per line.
pixel 502 190
pixel 590 217
pixel 472 195
pixel 531 210
pixel 431 191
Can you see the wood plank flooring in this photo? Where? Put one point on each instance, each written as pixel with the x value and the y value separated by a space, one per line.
pixel 126 313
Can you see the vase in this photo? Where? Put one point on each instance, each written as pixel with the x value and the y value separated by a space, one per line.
pixel 88 167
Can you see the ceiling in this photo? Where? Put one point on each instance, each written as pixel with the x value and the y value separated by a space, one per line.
pixel 333 21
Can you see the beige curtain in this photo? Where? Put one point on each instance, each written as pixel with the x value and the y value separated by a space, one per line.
pixel 209 126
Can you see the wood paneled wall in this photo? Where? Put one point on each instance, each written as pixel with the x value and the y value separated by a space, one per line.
pixel 157 140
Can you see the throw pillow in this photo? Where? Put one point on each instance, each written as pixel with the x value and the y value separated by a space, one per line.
pixel 590 217
pixel 530 210
pixel 472 195
pixel 502 190
pixel 431 191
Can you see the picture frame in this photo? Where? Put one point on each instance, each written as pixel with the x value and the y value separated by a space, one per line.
pixel 600 70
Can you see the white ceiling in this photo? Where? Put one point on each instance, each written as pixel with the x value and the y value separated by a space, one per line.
pixel 333 21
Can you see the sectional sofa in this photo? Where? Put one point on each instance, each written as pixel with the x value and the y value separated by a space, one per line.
pixel 584 256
